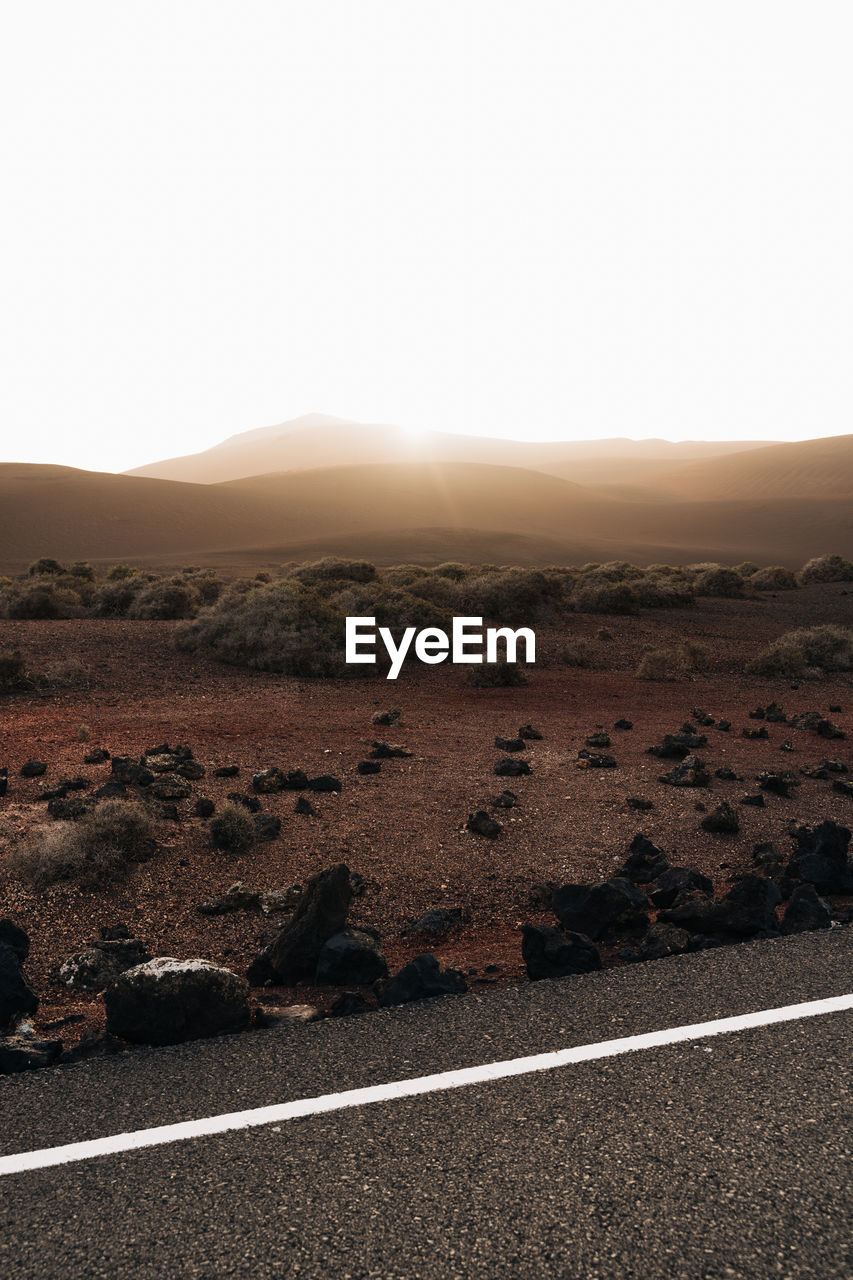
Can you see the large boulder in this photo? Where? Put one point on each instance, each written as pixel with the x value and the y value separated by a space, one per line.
pixel 749 908
pixel 167 1001
pixel 321 912
pixel 821 858
pixel 16 994
pixel 12 935
pixel 420 979
pixel 597 909
pixel 550 952
pixel 351 958
pixel 676 880
pixel 806 911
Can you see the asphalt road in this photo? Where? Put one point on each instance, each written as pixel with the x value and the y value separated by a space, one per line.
pixel 726 1157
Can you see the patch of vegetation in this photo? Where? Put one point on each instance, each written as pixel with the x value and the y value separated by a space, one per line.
pixel 775 578
pixel 90 853
pixel 496 675
pixel 17 675
pixel 827 569
pixel 809 652
pixel 670 664
pixel 232 830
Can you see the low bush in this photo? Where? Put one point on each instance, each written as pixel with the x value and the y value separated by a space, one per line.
pixel 669 664
pixel 165 599
pixel 827 569
pixel 594 596
pixel 809 652
pixel 496 675
pixel 576 652
pixel 716 580
pixel 334 569
pixel 775 578
pixel 232 830
pixel 92 852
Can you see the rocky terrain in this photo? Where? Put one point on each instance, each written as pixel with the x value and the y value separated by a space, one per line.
pixel 443 837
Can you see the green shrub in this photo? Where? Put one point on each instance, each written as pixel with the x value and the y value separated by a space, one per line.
pixel 44 566
pixel 43 600
pixel 746 568
pixel 121 572
pixel 716 580
pixel 232 830
pixel 659 664
pixel 165 599
pixel 113 599
pixel 827 569
pixel 594 596
pixel 90 853
pixel 283 627
pixel 334 569
pixel 811 651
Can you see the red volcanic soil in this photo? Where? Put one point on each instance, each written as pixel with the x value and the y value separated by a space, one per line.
pixel 403 829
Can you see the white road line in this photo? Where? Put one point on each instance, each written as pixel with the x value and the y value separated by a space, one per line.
pixel 120 1142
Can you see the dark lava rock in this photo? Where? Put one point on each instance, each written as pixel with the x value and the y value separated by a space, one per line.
pixel 506 800
pixel 703 718
pixel 437 921
pixel 722 821
pixel 170 787
pixel 421 979
pixel 678 880
pixel 14 937
pixel 96 756
pixel 127 770
pixel 481 824
pixel 509 744
pixel 549 952
pixel 25 1053
pixel 723 725
pixel 768 857
pixel 4 781
pixel 757 714
pixel 807 720
pixel 639 803
pixel 775 715
pixel 530 734
pixel 826 729
pixel 351 957
pixel 96 966
pixel 645 861
pixel 268 781
pixel 806 911
pixel 385 751
pixel 304 805
pixel 623 724
pixel 191 770
pixel 110 790
pixel 369 766
pixel 226 771
pixel 350 1003
pixel 239 897
pixel 598 909
pixel 755 733
pixel 676 746
pixel 726 774
pixel 387 717
pixel 755 801
pixel 749 908
pixel 843 788
pixel 821 857
pixel 16 994
pixel 252 803
pixel 204 808
pixel 33 769
pixel 92 1044
pixel 295 780
pixel 167 1001
pixel 598 740
pixel 666 940
pixel 325 782
pixel 510 768
pixel 321 912
pixel 267 827
pixel 778 784
pixel 692 772
pixel 594 760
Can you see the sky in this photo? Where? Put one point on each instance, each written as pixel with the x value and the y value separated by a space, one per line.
pixel 577 219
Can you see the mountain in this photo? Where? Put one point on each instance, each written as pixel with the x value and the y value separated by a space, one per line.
pixel 319 440
pixel 392 512
pixel 805 469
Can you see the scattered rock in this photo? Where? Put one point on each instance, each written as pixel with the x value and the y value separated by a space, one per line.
pixel 599 909
pixel 755 733
pixel 692 772
pixel 227 771
pixel 820 857
pixel 170 787
pixel 268 781
pixel 826 729
pixel 779 784
pixel 676 746
pixel 350 1003
pixel 726 774
pixel 204 808
pixel 755 801
pixel 512 768
pixel 623 724
pixel 96 756
pixel 24 1053
pixel 645 861
pixel 437 921
pixel 550 952
pixel 321 912
pixel 16 994
pixel 385 751
pixel 251 803
pixel 420 979
pixel 168 1001
pixel 325 782
pixel 678 880
pixel 96 966
pixel 92 1044
pixel 33 769
pixel 351 957
pixel 509 744
pixel 703 718
pixel 806 911
pixel 721 821
pixel 267 827
pixel 191 770
pixel 639 803
pixel 594 760
pixel 529 734
pixel 506 800
pixel 369 766
pixel 598 740
pixel 481 824
pixel 666 940
pixel 387 717
pixel 304 805
pixel 239 897
pixel 723 725
pixel 125 769
pixel 843 788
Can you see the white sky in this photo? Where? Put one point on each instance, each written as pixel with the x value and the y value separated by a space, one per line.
pixel 571 219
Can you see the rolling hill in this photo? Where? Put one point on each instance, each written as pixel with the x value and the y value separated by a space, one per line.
pixel 391 512
pixel 805 469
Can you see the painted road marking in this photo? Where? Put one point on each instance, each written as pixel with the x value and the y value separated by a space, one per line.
pixel 168 1133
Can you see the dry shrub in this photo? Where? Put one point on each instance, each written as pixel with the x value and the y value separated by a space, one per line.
pixel 669 664
pixel 496 675
pixel 716 580
pixel 232 829
pixel 165 599
pixel 67 673
pixel 827 569
pixel 90 853
pixel 577 652
pixel 13 671
pixel 811 651
pixel 774 578
pixel 595 595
